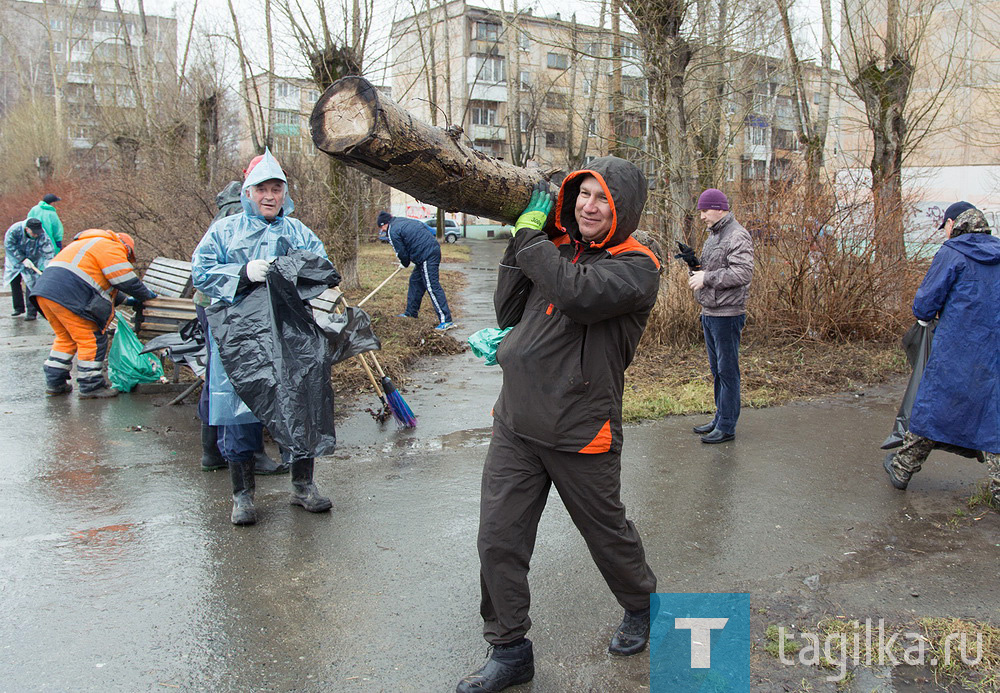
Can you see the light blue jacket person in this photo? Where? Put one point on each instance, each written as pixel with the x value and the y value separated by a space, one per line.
pixel 224 252
pixel 18 247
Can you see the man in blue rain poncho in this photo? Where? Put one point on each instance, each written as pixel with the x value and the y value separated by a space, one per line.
pixel 27 250
pixel 235 254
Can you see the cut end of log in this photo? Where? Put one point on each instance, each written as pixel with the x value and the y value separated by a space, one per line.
pixel 344 116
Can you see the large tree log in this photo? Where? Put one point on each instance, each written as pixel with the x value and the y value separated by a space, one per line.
pixel 354 123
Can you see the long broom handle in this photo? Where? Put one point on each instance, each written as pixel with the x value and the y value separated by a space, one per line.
pixel 371 377
pixel 378 366
pixel 375 290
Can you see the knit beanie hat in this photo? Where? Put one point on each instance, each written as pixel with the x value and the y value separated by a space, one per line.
pixel 383 218
pixel 33 224
pixel 713 199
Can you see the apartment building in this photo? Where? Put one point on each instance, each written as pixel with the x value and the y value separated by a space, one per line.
pixel 288 116
pixel 535 91
pixel 94 66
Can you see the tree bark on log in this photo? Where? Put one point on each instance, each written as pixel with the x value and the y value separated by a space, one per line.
pixel 354 123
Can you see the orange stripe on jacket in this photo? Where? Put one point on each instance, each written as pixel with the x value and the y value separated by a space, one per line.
pixel 601 442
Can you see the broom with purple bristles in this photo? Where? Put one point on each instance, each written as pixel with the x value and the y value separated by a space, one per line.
pixel 392 399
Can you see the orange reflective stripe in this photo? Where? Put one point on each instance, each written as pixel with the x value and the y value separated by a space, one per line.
pixel 630 245
pixel 601 442
pixel 548 311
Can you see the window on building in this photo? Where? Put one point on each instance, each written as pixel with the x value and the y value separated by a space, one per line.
pixel 588 86
pixel 760 103
pixel 484 113
pixel 817 97
pixel 730 171
pixel 286 90
pixel 756 136
pixel 286 123
pixel 634 125
pixel 785 139
pixel 630 49
pixel 492 69
pixel 487 31
pixel 596 49
pixel 592 127
pixel 288 145
pixel 555 99
pixel 523 42
pixel 754 169
pixel 525 80
pixel 634 88
pixel 781 169
pixel 524 121
pixel 56 24
pixel 56 46
pixel 559 61
pixel 555 139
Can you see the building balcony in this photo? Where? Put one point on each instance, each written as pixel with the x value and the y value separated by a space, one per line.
pixel 489 92
pixel 79 78
pixel 495 133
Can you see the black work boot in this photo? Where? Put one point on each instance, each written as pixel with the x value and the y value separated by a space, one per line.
pixel 507 666
pixel 243 488
pixel 632 635
pixel 304 491
pixel 897 477
pixel 56 389
pixel 211 458
pixel 265 466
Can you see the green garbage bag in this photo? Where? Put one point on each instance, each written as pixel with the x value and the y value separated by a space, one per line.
pixel 126 366
pixel 485 342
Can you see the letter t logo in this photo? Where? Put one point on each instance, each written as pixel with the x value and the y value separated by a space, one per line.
pixel 701 638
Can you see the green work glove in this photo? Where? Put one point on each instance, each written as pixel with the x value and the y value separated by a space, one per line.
pixel 537 211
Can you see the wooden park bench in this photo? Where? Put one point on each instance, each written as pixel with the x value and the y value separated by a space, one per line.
pixel 171 281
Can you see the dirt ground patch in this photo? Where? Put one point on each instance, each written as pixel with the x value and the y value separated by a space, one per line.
pixel 675 380
pixel 404 340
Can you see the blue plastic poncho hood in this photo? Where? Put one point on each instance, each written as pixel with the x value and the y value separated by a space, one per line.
pixel 267 168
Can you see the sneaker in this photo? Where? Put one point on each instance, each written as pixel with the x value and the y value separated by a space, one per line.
pixel 60 389
pixel 897 477
pixel 404 315
pixel 445 326
pixel 99 393
pixel 507 666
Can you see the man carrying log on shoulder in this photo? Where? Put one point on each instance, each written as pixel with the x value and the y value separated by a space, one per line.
pixel 578 303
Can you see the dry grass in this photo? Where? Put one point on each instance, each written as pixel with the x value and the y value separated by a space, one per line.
pixel 667 380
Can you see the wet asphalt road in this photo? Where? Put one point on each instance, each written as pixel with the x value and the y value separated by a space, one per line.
pixel 120 571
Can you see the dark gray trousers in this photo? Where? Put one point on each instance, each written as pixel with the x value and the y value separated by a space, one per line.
pixel 516 481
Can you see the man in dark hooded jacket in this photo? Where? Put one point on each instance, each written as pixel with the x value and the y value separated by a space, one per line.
pixel 578 303
pixel 958 401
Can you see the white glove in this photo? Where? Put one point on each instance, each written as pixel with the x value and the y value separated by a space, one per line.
pixel 31 265
pixel 402 266
pixel 923 323
pixel 257 270
pixel 696 280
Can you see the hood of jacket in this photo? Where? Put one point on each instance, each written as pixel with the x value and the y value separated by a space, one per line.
pixel 980 247
pixel 626 189
pixel 99 233
pixel 228 195
pixel 267 169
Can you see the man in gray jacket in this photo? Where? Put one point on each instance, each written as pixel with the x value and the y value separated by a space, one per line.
pixel 721 287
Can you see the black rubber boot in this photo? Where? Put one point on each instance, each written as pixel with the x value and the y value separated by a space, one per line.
pixel 304 491
pixel 632 635
pixel 507 666
pixel 265 466
pixel 243 488
pixel 211 458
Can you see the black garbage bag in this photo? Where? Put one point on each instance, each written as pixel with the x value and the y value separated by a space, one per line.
pixel 917 345
pixel 278 358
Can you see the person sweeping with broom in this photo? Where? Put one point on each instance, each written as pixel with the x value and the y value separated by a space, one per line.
pixel 234 255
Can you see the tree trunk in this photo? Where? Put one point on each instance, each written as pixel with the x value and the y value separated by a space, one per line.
pixel 355 124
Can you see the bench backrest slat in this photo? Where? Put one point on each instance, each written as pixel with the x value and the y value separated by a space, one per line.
pixel 169 278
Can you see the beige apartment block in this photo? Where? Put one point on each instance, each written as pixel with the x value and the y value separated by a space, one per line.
pixel 535 91
pixel 954 133
pixel 95 68
pixel 287 115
